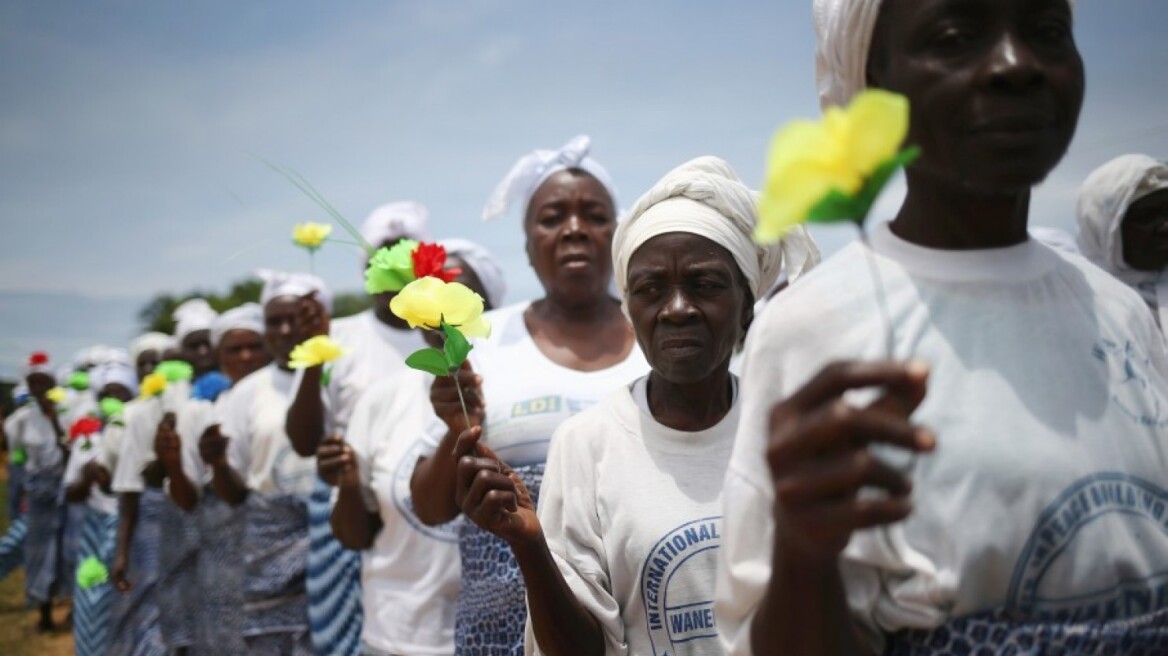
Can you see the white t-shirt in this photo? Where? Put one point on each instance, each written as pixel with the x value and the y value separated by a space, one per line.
pixel 194 418
pixel 631 510
pixel 29 429
pixel 527 395
pixel 1048 392
pixel 85 450
pixel 137 443
pixel 376 351
pixel 113 436
pixel 257 447
pixel 409 576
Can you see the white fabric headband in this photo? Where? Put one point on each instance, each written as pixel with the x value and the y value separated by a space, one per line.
pixel 394 221
pixel 282 283
pixel 193 315
pixel 525 177
pixel 150 342
pixel 249 316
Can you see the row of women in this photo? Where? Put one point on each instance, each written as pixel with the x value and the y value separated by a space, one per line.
pixel 980 464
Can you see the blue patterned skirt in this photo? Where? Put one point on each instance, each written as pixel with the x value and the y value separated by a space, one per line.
pixel 334 582
pixel 43 562
pixel 177 589
pixel 275 608
pixel 136 630
pixel 492 604
pixel 92 608
pixel 12 546
pixel 219 618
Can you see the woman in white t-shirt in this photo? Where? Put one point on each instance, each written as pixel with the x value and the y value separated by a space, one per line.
pixel 545 361
pixel 622 556
pixel 1028 516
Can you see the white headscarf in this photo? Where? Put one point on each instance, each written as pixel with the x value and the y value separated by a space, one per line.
pixel 705 197
pixel 1104 199
pixel 843 31
pixel 393 221
pixel 193 315
pixel 1055 238
pixel 37 363
pixel 150 342
pixel 282 283
pixel 525 177
pixel 114 372
pixel 484 266
pixel 249 316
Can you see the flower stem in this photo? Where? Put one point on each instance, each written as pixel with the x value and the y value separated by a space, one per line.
pixel 461 399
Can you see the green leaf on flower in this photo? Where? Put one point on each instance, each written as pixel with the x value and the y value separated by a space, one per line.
pixel 836 207
pixel 457 347
pixel 430 360
pixel 326 375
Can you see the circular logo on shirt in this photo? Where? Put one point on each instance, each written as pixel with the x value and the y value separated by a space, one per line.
pixel 402 498
pixel 1098 552
pixel 677 587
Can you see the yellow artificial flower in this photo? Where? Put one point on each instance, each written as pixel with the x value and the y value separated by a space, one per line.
pixel 152 385
pixel 311 235
pixel 428 301
pixel 56 395
pixel 810 159
pixel 314 352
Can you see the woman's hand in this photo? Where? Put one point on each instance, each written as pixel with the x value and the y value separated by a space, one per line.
pixel 336 463
pixel 312 319
pixel 491 494
pixel 213 446
pixel 819 458
pixel 167 446
pixel 444 398
pixel 118 573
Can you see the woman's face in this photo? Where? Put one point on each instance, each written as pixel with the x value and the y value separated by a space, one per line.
pixel 995 86
pixel 280 331
pixel 241 352
pixel 197 351
pixel 569 226
pixel 1144 232
pixel 689 305
pixel 147 361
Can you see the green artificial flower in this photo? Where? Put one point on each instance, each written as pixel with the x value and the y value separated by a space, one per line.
pixel 18 457
pixel 91 573
pixel 391 269
pixel 111 407
pixel 79 380
pixel 175 370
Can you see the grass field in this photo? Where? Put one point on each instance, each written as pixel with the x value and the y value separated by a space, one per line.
pixel 18 634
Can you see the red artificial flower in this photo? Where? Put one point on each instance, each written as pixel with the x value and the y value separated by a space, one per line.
pixel 38 358
pixel 430 260
pixel 84 426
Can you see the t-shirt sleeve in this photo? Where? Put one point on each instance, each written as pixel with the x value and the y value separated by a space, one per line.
pixel 139 437
pixel 14 429
pixel 77 459
pixel 235 428
pixel 571 523
pixel 360 437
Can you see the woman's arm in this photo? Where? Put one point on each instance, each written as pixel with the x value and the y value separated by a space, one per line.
pixel 433 481
pixel 354 524
pixel 225 481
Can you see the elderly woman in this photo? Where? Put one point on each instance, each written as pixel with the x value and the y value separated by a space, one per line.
pixel 1025 517
pixel 545 361
pixel 1123 226
pixel 36 430
pixel 88 481
pixel 211 579
pixel 409 571
pixel 621 557
pixel 252 462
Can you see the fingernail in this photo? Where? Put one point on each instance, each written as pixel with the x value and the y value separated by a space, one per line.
pixel 926 439
pixel 917 368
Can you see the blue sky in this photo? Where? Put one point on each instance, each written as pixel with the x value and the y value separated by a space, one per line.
pixel 129 130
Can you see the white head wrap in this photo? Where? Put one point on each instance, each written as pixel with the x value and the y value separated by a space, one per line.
pixel 1104 199
pixel 705 197
pixel 281 283
pixel 88 357
pixel 393 221
pixel 114 372
pixel 485 267
pixel 193 315
pixel 249 316
pixel 150 342
pixel 843 31
pixel 1055 238
pixel 525 177
pixel 31 367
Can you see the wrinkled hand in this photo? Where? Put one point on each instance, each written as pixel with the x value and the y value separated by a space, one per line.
pixel 444 399
pixel 213 446
pixel 118 574
pixel 491 494
pixel 312 319
pixel 819 458
pixel 167 446
pixel 336 463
